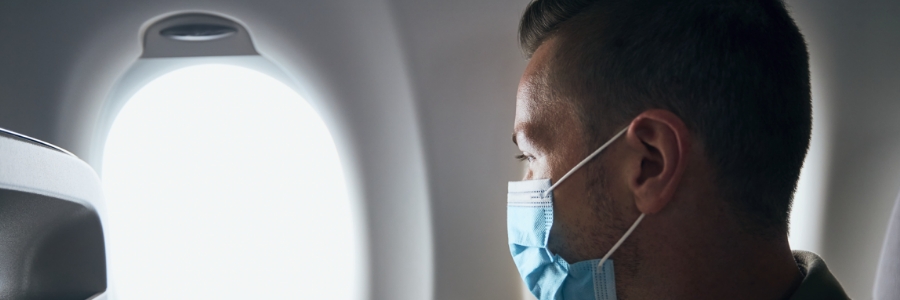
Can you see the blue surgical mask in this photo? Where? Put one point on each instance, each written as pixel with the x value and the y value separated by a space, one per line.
pixel 548 276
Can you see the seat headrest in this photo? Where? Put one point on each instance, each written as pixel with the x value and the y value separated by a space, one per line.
pixel 33 166
pixel 51 235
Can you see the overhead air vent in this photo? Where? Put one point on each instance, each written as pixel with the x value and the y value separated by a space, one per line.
pixel 196 34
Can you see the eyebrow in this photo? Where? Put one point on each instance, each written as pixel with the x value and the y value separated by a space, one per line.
pixel 536 135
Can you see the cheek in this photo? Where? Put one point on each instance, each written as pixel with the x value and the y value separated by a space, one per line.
pixel 574 221
pixel 572 202
pixel 529 175
pixel 537 169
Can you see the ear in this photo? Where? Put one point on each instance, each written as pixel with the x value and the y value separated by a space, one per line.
pixel 662 142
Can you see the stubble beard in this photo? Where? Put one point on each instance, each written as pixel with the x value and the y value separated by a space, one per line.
pixel 592 239
pixel 597 237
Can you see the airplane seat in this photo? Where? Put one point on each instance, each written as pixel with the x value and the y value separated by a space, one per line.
pixel 51 238
pixel 887 280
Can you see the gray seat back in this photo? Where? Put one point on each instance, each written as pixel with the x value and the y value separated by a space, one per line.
pixel 51 235
pixel 887 280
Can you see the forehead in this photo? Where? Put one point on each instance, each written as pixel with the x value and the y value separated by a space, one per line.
pixel 539 115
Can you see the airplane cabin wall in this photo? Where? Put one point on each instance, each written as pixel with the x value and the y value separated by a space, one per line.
pixel 466 65
pixel 856 75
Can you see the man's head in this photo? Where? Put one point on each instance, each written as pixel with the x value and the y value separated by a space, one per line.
pixel 715 94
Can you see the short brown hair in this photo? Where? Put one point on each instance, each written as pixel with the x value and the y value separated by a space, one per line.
pixel 736 72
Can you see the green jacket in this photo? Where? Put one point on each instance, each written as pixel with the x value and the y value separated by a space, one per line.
pixel 818 283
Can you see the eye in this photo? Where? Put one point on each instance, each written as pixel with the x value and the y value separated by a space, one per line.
pixel 523 157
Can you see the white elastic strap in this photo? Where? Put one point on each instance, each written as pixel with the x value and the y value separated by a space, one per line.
pixel 622 240
pixel 585 161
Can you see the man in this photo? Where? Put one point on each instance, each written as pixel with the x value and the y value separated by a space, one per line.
pixel 663 140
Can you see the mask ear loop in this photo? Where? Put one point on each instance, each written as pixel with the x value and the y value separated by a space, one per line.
pixel 621 240
pixel 584 162
pixel 578 166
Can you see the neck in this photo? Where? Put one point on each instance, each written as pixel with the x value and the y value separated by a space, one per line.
pixel 694 264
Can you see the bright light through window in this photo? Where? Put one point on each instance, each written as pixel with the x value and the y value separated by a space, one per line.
pixel 223 183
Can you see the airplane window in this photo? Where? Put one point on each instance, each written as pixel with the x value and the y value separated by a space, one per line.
pixel 224 183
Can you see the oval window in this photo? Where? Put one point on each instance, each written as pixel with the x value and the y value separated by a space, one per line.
pixel 223 183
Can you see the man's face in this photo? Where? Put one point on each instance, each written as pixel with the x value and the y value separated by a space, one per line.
pixel 552 141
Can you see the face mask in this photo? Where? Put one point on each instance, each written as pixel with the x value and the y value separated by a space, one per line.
pixel 548 276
